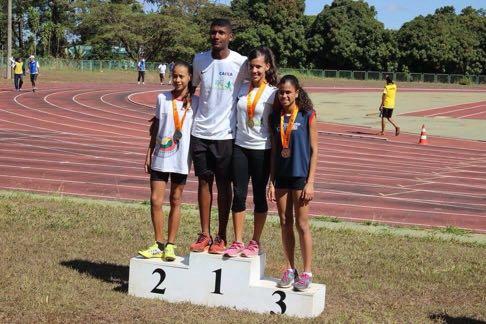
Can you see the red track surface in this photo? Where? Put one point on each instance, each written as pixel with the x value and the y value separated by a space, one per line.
pixel 472 110
pixel 91 142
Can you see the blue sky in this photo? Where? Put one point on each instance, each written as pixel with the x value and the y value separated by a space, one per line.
pixel 394 13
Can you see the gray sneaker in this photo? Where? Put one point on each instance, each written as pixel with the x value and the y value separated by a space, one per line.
pixel 303 282
pixel 288 278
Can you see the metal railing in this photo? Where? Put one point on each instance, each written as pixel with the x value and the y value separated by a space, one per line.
pixel 101 65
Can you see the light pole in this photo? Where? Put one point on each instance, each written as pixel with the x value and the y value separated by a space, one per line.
pixel 9 39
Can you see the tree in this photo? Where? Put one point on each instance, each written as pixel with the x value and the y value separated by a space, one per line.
pixel 346 35
pixel 152 35
pixel 278 24
pixel 445 42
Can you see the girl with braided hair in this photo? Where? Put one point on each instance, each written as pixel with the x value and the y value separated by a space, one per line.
pixel 293 166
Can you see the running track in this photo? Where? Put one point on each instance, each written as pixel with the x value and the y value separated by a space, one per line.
pixel 472 110
pixel 91 142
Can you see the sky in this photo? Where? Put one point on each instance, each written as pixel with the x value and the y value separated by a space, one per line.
pixel 395 13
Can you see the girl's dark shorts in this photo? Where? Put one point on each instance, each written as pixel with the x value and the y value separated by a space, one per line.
pixel 292 183
pixel 176 178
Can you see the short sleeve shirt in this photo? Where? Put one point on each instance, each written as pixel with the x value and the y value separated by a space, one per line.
pixel 258 136
pixel 220 82
pixel 390 92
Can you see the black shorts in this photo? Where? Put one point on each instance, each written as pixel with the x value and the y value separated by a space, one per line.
pixel 212 157
pixel 292 183
pixel 176 178
pixel 33 77
pixel 386 112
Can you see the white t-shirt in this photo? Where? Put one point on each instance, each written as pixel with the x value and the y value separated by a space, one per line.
pixel 258 136
pixel 162 68
pixel 169 156
pixel 220 82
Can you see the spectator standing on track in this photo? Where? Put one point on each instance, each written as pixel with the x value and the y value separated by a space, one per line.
pixel 171 68
pixel 220 73
pixel 19 72
pixel 141 71
pixel 33 71
pixel 162 67
pixel 251 151
pixel 293 167
pixel 388 104
pixel 168 157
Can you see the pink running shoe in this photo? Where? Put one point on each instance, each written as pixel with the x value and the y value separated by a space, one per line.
pixel 234 249
pixel 251 250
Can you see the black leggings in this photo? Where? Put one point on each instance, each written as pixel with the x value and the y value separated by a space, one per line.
pixel 141 76
pixel 255 164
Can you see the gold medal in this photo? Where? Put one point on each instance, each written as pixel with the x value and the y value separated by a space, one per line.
pixel 250 122
pixel 285 153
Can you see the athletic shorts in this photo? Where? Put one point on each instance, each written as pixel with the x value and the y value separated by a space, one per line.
pixel 212 157
pixel 33 77
pixel 387 112
pixel 292 183
pixel 176 178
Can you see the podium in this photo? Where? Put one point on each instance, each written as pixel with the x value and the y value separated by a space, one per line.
pixel 214 280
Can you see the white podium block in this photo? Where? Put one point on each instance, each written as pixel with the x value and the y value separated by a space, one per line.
pixel 213 280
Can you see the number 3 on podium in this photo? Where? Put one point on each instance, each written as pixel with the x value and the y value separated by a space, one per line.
pixel 280 302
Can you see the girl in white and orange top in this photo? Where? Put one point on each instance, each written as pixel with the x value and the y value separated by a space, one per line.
pixel 168 156
pixel 251 152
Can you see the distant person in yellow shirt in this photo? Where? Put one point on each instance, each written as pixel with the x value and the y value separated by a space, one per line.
pixel 19 72
pixel 388 104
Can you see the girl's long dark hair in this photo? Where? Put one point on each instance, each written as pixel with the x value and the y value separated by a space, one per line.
pixel 303 100
pixel 269 58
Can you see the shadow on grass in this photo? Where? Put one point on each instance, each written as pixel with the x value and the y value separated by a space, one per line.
pixel 444 318
pixel 108 272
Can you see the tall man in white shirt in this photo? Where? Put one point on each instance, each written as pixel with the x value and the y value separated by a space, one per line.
pixel 220 73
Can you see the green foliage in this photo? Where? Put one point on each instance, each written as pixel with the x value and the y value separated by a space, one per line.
pixel 277 24
pixel 445 42
pixel 346 35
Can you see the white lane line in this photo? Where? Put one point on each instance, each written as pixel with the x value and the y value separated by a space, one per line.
pixel 102 98
pixel 87 121
pixel 74 98
pixel 475 114
pixel 451 111
pixel 141 92
pixel 314 202
pixel 272 210
pixel 58 123
pixel 442 107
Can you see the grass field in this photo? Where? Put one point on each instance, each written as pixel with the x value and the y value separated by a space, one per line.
pixel 66 259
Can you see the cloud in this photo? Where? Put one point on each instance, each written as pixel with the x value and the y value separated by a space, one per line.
pixel 394 7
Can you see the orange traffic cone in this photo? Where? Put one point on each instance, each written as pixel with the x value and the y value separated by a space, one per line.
pixel 423 136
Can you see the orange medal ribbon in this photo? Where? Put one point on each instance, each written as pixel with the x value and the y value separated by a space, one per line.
pixel 250 105
pixel 177 122
pixel 285 136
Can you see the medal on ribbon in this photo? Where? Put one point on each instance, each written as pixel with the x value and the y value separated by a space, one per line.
pixel 177 122
pixel 250 105
pixel 285 134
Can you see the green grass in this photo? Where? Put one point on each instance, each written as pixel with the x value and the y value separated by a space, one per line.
pixel 66 259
